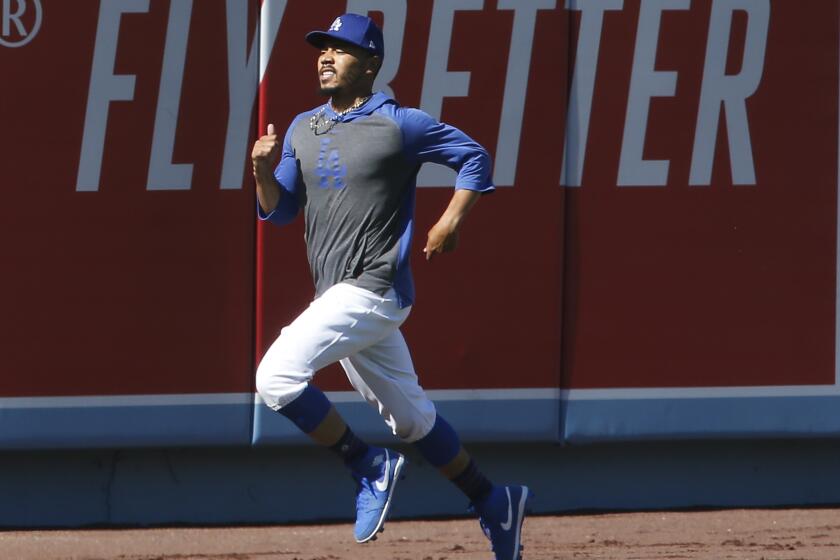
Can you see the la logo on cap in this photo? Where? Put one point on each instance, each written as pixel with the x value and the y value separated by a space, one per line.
pixel 372 44
pixel 336 25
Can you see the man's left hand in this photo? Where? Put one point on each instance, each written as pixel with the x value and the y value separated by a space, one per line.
pixel 442 238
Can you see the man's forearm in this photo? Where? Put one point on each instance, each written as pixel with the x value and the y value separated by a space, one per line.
pixel 443 237
pixel 462 201
pixel 268 190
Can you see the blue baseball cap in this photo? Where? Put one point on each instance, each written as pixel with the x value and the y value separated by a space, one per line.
pixel 354 29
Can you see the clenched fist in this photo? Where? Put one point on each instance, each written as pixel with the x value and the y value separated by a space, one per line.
pixel 442 238
pixel 266 153
pixel 264 158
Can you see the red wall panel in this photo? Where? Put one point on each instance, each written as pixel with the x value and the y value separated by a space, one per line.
pixel 126 290
pixel 121 290
pixel 718 285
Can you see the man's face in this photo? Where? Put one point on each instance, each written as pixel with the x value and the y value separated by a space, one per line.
pixel 340 66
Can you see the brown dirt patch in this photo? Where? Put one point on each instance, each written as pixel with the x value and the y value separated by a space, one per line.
pixel 790 534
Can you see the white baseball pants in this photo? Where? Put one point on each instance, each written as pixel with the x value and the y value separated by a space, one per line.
pixel 360 330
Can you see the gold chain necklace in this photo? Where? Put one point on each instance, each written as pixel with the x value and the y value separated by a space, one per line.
pixel 319 125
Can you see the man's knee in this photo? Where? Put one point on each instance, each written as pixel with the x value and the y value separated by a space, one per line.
pixel 412 426
pixel 279 386
pixel 264 383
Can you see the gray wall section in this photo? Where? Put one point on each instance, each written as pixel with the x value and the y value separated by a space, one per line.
pixel 82 425
pixel 589 421
pixel 476 420
pixel 303 483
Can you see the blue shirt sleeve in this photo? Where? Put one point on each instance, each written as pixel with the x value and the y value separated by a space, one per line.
pixel 428 141
pixel 287 174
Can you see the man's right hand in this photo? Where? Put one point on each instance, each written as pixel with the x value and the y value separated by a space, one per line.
pixel 264 158
pixel 266 153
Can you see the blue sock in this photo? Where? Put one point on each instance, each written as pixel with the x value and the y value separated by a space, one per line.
pixel 308 410
pixel 440 445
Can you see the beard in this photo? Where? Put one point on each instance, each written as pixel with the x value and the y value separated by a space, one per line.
pixel 328 91
pixel 351 76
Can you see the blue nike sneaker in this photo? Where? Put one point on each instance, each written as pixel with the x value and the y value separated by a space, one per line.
pixel 501 515
pixel 373 495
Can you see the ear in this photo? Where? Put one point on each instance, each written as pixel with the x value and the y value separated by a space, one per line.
pixel 373 65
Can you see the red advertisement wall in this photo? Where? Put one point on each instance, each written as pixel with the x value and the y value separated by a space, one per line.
pixel 666 216
pixel 708 258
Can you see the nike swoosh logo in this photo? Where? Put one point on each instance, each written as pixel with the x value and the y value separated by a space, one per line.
pixel 506 525
pixel 382 483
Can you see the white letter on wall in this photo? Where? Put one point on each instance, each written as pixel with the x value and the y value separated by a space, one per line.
pixel 730 91
pixel 104 88
pixel 438 82
pixel 163 174
pixel 516 85
pixel 243 79
pixel 583 85
pixel 645 83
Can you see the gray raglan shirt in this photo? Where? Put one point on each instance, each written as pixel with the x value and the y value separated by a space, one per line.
pixel 356 186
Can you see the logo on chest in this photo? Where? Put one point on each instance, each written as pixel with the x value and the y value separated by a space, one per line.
pixel 329 169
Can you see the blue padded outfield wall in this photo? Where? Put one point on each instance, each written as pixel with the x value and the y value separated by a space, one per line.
pixel 504 416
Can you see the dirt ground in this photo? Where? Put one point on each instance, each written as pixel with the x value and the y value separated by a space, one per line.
pixel 790 534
